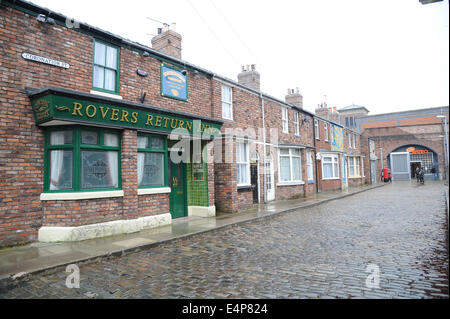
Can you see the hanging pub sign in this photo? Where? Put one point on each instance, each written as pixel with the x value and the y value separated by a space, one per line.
pixel 40 59
pixel 174 83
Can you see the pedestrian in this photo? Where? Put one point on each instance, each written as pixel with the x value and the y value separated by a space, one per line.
pixel 418 173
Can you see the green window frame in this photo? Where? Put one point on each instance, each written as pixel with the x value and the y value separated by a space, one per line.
pixel 77 148
pixel 150 148
pixel 103 65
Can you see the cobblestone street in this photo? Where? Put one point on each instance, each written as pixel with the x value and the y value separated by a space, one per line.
pixel 321 252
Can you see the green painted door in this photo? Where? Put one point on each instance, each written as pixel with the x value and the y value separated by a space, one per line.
pixel 177 182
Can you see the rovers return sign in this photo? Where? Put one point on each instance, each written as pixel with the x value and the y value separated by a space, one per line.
pixel 53 107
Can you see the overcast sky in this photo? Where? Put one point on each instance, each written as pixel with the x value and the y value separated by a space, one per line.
pixel 385 55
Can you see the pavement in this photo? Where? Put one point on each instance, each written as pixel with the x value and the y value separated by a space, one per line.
pixel 389 242
pixel 20 263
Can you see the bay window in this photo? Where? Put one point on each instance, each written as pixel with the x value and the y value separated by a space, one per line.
pixel 330 166
pixel 81 159
pixel 290 165
pixel 152 161
pixel 243 164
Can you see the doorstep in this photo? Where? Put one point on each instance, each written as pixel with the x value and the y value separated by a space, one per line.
pixel 18 263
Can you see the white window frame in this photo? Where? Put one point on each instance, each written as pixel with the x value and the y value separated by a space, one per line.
pixel 285 119
pixel 246 163
pixel 291 155
pixel 316 128
pixel 350 140
pixel 334 161
pixel 228 103
pixel 296 123
pixel 354 141
pixel 354 167
pixel 325 126
pixel 309 166
pixel 362 167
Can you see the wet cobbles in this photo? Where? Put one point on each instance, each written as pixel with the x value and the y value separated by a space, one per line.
pixel 326 251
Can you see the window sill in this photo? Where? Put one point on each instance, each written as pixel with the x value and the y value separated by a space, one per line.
pixel 311 182
pixel 151 191
pixel 80 195
pixel 354 177
pixel 291 183
pixel 331 179
pixel 113 96
pixel 244 187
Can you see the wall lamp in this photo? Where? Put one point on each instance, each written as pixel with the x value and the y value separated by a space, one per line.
pixel 145 54
pixel 45 19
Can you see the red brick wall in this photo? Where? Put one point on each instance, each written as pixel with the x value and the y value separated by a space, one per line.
pixel 389 139
pixel 22 142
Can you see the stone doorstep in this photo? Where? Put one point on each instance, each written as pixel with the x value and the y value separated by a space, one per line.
pixel 8 281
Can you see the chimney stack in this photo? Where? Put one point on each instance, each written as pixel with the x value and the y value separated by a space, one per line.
pixel 250 77
pixel 168 41
pixel 294 97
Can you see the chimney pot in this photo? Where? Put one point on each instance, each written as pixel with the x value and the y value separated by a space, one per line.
pixel 250 77
pixel 168 41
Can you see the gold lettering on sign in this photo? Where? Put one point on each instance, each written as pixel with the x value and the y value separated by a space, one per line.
pixel 77 109
pixel 181 124
pixel 158 121
pixel 172 125
pixel 114 115
pixel 94 112
pixel 189 125
pixel 134 117
pixel 104 113
pixel 166 120
pixel 124 116
pixel 149 120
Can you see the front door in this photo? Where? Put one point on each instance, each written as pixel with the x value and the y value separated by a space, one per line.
pixel 269 180
pixel 254 181
pixel 178 207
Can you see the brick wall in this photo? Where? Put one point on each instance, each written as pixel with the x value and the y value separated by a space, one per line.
pixel 22 142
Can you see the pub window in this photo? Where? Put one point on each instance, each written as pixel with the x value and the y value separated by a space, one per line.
pixel 106 68
pixel 82 159
pixel 152 161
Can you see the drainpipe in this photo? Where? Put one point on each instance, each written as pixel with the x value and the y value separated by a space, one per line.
pixel 315 155
pixel 264 147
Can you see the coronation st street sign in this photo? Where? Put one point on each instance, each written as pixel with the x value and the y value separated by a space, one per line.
pixel 36 58
pixel 52 107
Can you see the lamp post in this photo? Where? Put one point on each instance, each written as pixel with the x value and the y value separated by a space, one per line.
pixel 443 117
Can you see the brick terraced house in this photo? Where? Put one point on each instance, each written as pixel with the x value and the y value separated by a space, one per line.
pixel 101 136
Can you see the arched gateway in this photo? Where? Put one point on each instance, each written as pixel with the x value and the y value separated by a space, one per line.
pixel 404 160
